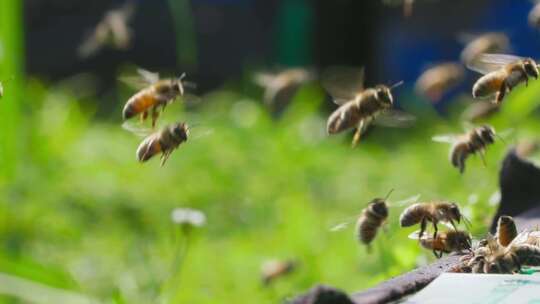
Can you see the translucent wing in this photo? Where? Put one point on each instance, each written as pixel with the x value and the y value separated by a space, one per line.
pixel 447 138
pixel 339 226
pixel 407 201
pixel 416 235
pixel 395 119
pixel 149 77
pixel 343 83
pixel 136 129
pixel 487 63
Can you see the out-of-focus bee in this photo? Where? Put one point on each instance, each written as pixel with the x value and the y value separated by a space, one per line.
pixel 164 141
pixel 479 110
pixel 358 107
pixel 501 74
pixel 438 80
pixel 434 212
pixel 506 230
pixel 279 88
pixel 274 269
pixel 372 219
pixel 526 148
pixel 154 97
pixel 534 15
pixel 113 30
pixel 445 242
pixel 476 140
pixel 493 42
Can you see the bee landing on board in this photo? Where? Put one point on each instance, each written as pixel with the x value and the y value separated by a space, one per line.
pixel 154 97
pixel 439 79
pixel 163 141
pixel 476 140
pixel 501 74
pixel 445 242
pixel 434 212
pixel 358 107
pixel 493 42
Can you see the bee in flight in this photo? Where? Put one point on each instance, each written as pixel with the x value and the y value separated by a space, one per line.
pixel 487 43
pixel 434 212
pixel 279 88
pixel 163 141
pixel 534 15
pixel 445 242
pixel 439 79
pixel 479 110
pixel 475 140
pixel 506 230
pixel 501 74
pixel 154 97
pixel 112 30
pixel 274 269
pixel 358 107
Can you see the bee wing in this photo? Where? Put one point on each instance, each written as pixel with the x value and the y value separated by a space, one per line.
pixel 339 226
pixel 446 138
pixel 343 83
pixel 416 235
pixel 395 119
pixel 407 201
pixel 136 129
pixel 149 77
pixel 487 63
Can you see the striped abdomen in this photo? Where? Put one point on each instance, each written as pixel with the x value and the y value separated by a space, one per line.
pixel 412 215
pixel 368 224
pixel 489 84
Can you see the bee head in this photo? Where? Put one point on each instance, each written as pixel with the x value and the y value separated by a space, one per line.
pixel 487 134
pixel 505 219
pixel 530 67
pixel 378 206
pixel 181 131
pixel 454 212
pixel 384 95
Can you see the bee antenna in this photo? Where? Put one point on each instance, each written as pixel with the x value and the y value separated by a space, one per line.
pixel 500 137
pixel 182 76
pixel 466 222
pixel 397 84
pixel 388 195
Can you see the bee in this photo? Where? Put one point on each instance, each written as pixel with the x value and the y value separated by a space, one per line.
pixel 526 148
pixel 436 81
pixel 273 269
pixel 164 141
pixel 434 212
pixel 372 219
pixel 534 16
pixel 154 97
pixel 506 230
pixel 113 30
pixel 501 74
pixel 279 88
pixel 480 110
pixel 358 107
pixel 493 42
pixel 475 140
pixel 445 242
pixel 510 259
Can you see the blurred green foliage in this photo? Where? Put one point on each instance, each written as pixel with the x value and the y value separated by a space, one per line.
pixel 80 219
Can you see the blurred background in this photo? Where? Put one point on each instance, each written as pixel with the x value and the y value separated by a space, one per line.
pixel 81 221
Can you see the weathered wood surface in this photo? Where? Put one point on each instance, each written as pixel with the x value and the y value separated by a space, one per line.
pixel 520 197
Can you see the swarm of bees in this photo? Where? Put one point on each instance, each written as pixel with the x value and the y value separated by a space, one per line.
pixel 506 252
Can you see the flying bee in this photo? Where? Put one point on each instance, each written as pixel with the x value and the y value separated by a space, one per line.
pixel 501 74
pixel 163 141
pixel 154 97
pixel 445 242
pixel 113 30
pixel 273 269
pixel 358 107
pixel 534 16
pixel 487 43
pixel 437 80
pixel 506 230
pixel 434 212
pixel 279 88
pixel 475 140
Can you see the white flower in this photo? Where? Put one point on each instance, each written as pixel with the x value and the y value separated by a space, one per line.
pixel 188 216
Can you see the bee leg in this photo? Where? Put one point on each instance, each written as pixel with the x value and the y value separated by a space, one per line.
pixel 483 157
pixel 435 230
pixel 422 229
pixel 164 157
pixel 501 93
pixel 368 249
pixel 358 133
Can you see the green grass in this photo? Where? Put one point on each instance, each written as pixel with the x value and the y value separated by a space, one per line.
pixel 82 215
